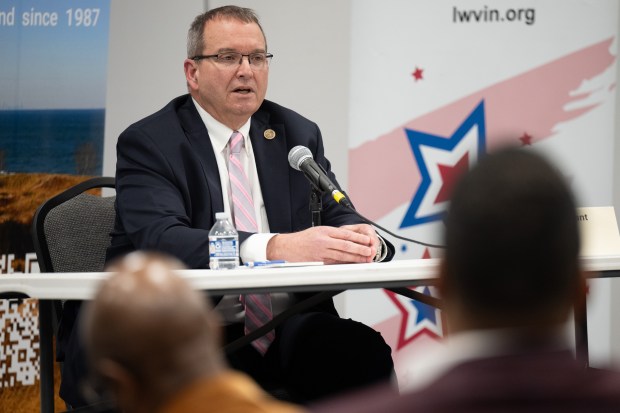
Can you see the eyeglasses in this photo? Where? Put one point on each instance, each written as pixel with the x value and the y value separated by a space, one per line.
pixel 257 60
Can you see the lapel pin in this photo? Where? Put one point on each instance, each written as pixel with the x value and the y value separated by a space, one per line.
pixel 269 134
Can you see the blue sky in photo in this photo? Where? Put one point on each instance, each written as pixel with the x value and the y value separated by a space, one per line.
pixel 59 67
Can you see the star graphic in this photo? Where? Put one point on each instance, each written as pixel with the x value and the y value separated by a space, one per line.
pixel 526 140
pixel 449 174
pixel 424 322
pixel 417 74
pixel 440 160
pixel 425 311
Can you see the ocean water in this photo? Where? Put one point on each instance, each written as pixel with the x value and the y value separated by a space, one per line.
pixel 66 141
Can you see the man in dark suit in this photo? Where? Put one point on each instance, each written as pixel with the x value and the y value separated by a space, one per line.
pixel 172 177
pixel 509 280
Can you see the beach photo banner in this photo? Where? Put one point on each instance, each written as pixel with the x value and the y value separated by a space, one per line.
pixel 52 111
pixel 52 85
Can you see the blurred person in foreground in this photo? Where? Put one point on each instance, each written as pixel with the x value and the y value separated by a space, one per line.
pixel 509 280
pixel 154 344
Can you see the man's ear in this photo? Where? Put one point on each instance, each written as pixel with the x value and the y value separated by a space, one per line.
pixel 581 292
pixel 191 72
pixel 442 285
pixel 446 294
pixel 120 383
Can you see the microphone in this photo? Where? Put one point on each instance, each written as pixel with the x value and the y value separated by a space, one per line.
pixel 300 158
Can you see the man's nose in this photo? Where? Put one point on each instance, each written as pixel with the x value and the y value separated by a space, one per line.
pixel 244 66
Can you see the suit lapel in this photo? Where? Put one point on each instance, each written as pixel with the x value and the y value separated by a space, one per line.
pixel 198 138
pixel 273 170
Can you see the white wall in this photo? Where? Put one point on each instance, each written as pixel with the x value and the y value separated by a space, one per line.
pixel 145 62
pixel 614 291
pixel 603 304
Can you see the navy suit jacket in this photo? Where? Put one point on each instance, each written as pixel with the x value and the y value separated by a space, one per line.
pixel 168 185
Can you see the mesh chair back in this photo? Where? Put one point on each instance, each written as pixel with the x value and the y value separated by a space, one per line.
pixel 78 233
pixel 71 231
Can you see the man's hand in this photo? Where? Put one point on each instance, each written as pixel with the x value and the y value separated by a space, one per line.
pixel 370 232
pixel 347 244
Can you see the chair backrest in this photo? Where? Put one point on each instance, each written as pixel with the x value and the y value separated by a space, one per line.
pixel 71 231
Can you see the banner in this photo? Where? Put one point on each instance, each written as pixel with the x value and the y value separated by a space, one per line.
pixel 437 84
pixel 52 111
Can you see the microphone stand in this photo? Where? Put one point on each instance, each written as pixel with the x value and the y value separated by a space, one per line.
pixel 316 206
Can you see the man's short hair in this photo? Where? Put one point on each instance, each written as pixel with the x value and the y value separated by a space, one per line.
pixel 512 237
pixel 195 38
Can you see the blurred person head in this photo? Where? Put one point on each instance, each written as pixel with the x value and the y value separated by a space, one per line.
pixel 512 246
pixel 230 87
pixel 148 334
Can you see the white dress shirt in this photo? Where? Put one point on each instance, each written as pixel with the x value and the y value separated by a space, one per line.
pixel 255 247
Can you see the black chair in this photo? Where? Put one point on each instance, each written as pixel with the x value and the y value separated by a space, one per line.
pixel 71 232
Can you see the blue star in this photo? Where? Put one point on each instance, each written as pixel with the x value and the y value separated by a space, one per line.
pixel 425 311
pixel 420 139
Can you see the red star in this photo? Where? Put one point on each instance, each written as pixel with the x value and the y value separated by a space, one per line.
pixel 526 139
pixel 449 174
pixel 417 74
pixel 427 254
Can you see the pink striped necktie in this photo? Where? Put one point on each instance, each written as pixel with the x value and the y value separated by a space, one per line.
pixel 257 306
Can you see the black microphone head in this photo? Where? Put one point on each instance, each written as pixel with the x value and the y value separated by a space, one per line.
pixel 297 155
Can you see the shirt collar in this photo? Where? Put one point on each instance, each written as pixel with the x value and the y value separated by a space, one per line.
pixel 218 132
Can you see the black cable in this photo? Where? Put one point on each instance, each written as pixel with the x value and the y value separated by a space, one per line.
pixel 366 220
pixel 342 200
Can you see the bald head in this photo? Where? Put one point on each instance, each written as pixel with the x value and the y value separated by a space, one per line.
pixel 148 327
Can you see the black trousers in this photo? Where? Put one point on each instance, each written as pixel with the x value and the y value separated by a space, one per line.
pixel 315 356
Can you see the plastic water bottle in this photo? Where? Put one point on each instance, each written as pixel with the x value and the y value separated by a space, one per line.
pixel 223 244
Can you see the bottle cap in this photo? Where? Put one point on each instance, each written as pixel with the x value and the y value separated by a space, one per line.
pixel 221 215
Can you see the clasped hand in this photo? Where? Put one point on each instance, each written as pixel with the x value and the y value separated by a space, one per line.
pixel 332 245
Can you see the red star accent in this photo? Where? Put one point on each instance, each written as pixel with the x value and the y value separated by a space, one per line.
pixel 449 174
pixel 526 139
pixel 417 74
pixel 427 254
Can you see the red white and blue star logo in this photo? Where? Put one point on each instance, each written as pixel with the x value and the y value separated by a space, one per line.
pixel 440 161
pixel 416 318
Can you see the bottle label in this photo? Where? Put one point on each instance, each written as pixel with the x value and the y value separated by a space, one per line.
pixel 223 248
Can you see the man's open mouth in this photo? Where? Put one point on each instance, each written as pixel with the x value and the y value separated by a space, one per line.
pixel 243 90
